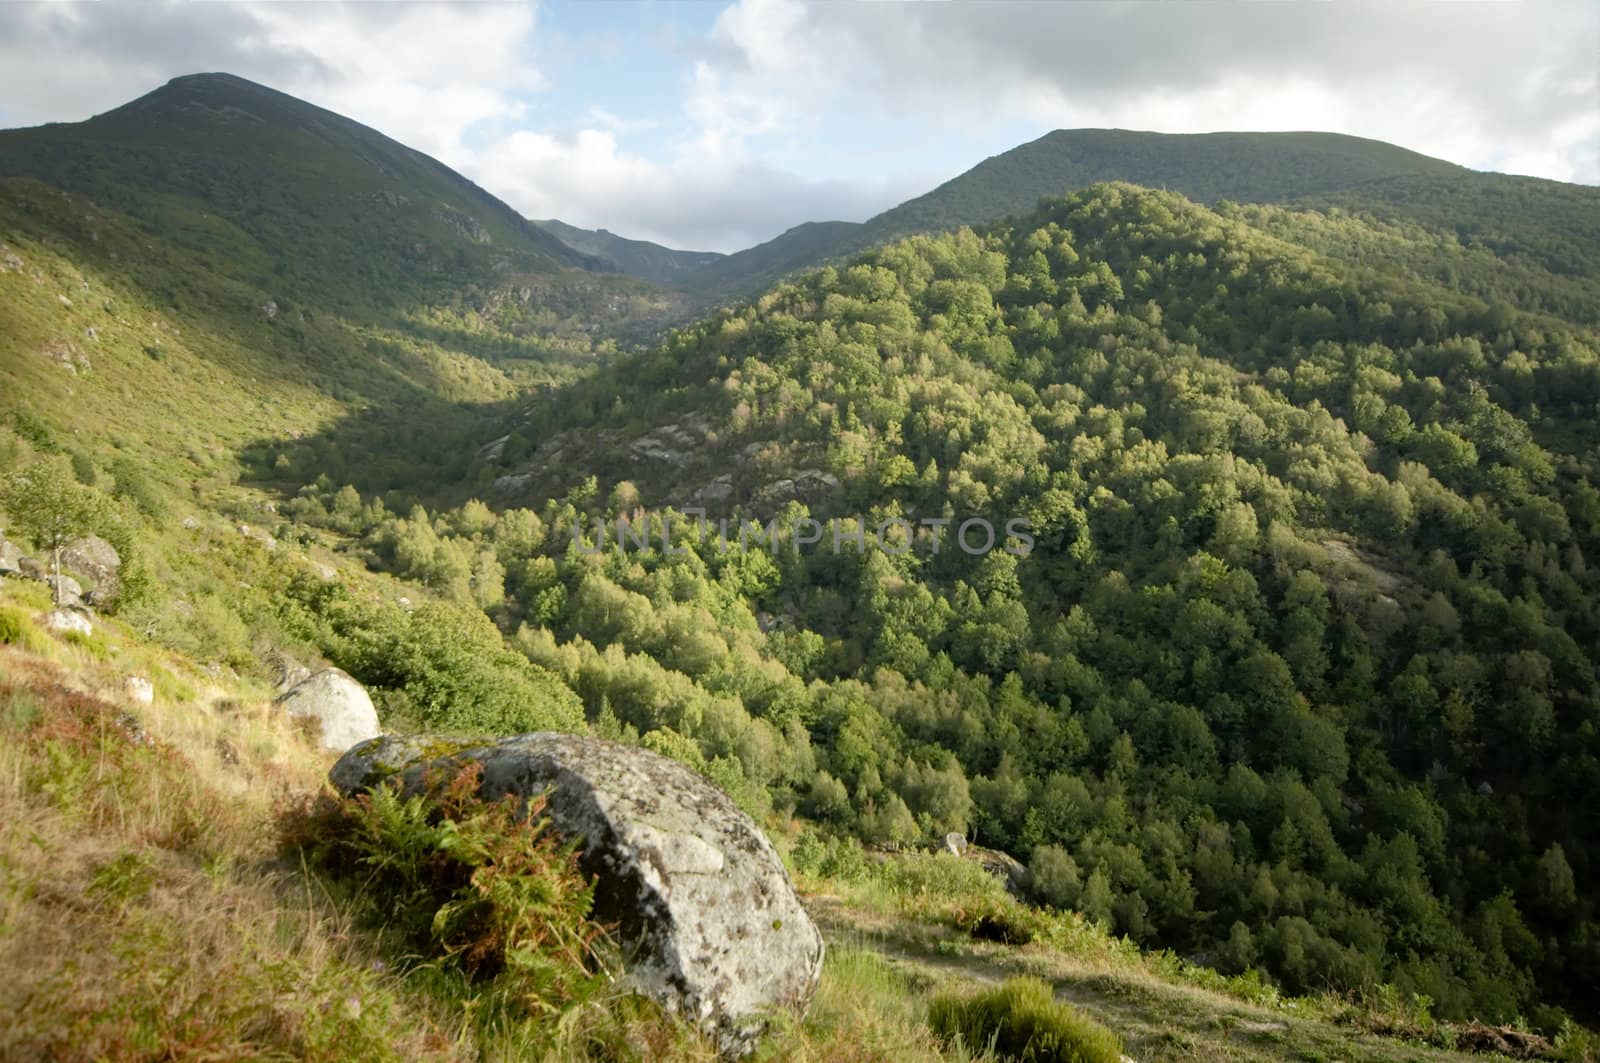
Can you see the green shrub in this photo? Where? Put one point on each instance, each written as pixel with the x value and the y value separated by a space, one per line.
pixel 17 629
pixel 1053 877
pixel 829 857
pixel 998 918
pixel 1022 1020
pixel 473 886
pixel 938 875
pixel 133 484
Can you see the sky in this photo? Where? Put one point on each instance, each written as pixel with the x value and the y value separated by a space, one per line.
pixel 715 125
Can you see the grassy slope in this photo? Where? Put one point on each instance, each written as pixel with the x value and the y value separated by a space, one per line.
pixel 148 912
pixel 172 361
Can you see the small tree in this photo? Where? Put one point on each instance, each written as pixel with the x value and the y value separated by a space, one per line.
pixel 52 508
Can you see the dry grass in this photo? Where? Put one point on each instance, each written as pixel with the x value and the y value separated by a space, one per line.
pixel 147 912
pixel 144 913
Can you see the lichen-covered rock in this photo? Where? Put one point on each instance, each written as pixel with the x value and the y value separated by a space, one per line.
pixel 286 672
pixel 714 929
pixel 68 592
pixel 94 557
pixel 67 621
pixel 339 703
pixel 10 558
pixel 139 690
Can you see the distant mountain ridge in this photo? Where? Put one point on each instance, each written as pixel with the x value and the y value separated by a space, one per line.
pixel 287 192
pixel 640 258
pixel 1206 167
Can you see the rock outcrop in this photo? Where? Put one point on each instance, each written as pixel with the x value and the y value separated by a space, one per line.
pixel 713 928
pixel 1003 866
pixel 67 621
pixel 67 590
pixel 97 559
pixel 139 690
pixel 338 703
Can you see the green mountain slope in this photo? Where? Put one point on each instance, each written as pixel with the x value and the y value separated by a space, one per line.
pixel 1206 167
pixel 287 196
pixel 1541 228
pixel 1298 671
pixel 638 258
pixel 1297 677
pixel 765 264
pixel 217 263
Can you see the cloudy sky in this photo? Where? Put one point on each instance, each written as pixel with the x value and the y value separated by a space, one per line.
pixel 716 125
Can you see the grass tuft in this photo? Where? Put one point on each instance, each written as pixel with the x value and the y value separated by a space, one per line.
pixel 1022 1020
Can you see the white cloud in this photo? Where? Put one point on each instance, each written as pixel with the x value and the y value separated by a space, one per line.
pixel 425 74
pixel 1478 83
pixel 703 203
pixel 775 89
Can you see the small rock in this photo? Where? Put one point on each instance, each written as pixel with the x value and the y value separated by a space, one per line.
pixel 135 729
pixel 339 703
pixel 718 490
pixel 490 452
pixel 65 621
pixel 32 568
pixel 1001 866
pixel 10 558
pixel 190 523
pixel 97 559
pixel 139 689
pixel 510 485
pixel 955 843
pixel 66 590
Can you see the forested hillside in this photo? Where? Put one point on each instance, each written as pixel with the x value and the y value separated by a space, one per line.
pixel 1299 672
pixel 1541 231
pixel 1249 167
pixel 1293 672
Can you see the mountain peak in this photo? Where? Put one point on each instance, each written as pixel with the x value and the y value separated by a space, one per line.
pixel 225 146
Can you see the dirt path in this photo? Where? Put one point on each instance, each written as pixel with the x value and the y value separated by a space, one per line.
pixel 1157 1019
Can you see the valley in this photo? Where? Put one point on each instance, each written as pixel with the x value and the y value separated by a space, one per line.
pixel 1282 717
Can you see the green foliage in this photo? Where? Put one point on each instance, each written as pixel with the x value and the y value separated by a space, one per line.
pixel 48 504
pixel 18 629
pixel 1304 556
pixel 451 663
pixel 1022 1020
pixel 482 887
pixel 1299 675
